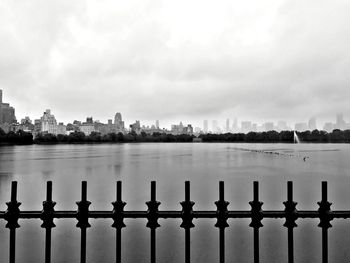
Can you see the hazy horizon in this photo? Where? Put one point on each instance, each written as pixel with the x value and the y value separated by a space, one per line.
pixel 173 61
pixel 167 123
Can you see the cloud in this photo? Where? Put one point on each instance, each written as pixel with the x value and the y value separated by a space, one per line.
pixel 168 60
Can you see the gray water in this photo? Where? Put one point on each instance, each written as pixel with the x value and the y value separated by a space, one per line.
pixel 170 165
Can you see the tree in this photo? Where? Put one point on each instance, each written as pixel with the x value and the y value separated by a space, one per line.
pixel 76 137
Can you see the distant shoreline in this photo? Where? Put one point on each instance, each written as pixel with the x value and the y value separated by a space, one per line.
pixel 25 138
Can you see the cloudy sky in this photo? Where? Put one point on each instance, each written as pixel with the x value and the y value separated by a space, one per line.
pixel 176 60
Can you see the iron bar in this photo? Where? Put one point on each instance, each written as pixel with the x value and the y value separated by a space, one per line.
pixel 48 245
pixel 256 245
pixel 290 245
pixel 221 220
pixel 83 245
pixel 118 245
pixel 340 214
pixel 153 227
pixel 119 229
pixel 187 226
pixel 83 223
pixel 187 245
pixel 324 216
pixel 12 245
pixel 48 220
pixel 12 221
pixel 153 245
pixel 257 216
pixel 222 244
pixel 290 228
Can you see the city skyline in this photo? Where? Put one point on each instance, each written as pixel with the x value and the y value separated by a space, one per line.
pixel 217 126
pixel 220 118
pixel 48 123
pixel 152 61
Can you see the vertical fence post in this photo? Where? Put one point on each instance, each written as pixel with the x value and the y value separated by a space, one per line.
pixel 326 216
pixel 119 234
pixel 256 214
pixel 83 219
pixel 11 216
pixel 47 217
pixel 291 216
pixel 152 216
pixel 221 220
pixel 118 217
pixel 187 217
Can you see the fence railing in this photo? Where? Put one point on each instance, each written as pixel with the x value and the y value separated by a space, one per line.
pixel 187 214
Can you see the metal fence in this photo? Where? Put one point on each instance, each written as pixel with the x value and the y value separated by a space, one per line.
pixel 187 214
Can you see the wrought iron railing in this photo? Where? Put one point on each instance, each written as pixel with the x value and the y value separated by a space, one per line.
pixel 187 214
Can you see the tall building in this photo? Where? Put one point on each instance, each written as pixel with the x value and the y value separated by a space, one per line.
pixel 340 123
pixel 215 127
pixel 136 127
pixel 88 127
pixel 181 129
pixel 301 126
pixel 235 125
pixel 7 113
pixel 246 126
pixel 157 124
pixel 89 120
pixel 312 124
pixel 25 125
pixel 61 128
pixel 328 127
pixel 205 126
pixel 227 128
pixel 118 122
pixel 26 121
pixel 254 127
pixel 37 126
pixel 282 126
pixel 269 126
pixel 48 123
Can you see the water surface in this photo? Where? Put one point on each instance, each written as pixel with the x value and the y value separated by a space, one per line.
pixel 170 165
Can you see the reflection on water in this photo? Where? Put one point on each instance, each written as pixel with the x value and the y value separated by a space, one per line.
pixel 170 165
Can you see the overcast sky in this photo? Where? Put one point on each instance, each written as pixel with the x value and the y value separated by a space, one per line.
pixel 176 60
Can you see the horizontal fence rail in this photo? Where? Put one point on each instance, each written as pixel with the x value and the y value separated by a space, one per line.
pixel 187 214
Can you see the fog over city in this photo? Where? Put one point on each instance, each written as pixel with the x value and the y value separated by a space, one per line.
pixel 176 60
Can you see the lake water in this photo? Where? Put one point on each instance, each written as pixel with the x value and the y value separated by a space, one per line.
pixel 171 165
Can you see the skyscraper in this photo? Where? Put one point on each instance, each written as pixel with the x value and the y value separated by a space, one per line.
pixel 328 127
pixel 118 122
pixel 0 106
pixel 205 126
pixel 48 123
pixel 215 126
pixel 301 126
pixel 157 124
pixel 117 118
pixel 227 128
pixel 246 126
pixel 312 124
pixel 282 126
pixel 269 126
pixel 7 113
pixel 235 125
pixel 340 123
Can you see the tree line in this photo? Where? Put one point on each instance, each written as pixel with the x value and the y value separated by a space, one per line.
pixel 95 137
pixel 315 136
pixel 19 137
